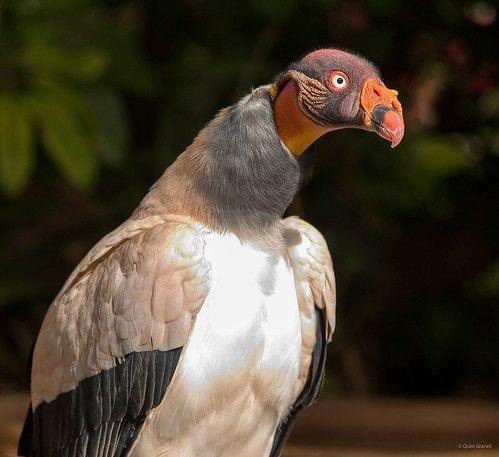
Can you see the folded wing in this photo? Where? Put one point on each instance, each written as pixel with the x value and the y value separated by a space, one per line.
pixel 316 292
pixel 111 340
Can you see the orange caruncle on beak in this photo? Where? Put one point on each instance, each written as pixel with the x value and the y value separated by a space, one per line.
pixel 382 111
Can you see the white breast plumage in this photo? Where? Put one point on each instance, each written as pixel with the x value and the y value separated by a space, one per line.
pixel 239 367
pixel 251 310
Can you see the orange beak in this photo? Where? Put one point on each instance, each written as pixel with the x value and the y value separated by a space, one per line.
pixel 382 111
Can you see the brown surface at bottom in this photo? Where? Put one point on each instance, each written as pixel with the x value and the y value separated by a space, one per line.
pixel 13 409
pixel 334 451
pixel 354 427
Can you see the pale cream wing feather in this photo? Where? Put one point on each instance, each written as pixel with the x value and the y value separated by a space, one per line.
pixel 137 290
pixel 315 284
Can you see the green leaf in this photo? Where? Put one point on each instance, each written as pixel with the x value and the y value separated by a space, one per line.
pixel 48 60
pixel 89 64
pixel 440 156
pixel 112 126
pixel 129 70
pixel 16 146
pixel 65 141
pixel 69 95
pixel 486 284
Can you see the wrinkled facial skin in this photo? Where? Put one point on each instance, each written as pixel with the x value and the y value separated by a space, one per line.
pixel 358 99
pixel 342 106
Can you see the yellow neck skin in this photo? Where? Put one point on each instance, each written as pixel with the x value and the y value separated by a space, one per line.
pixel 295 129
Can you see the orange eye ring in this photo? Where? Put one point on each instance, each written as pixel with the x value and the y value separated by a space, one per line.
pixel 337 81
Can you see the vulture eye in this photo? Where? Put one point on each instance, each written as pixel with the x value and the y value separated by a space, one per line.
pixel 337 80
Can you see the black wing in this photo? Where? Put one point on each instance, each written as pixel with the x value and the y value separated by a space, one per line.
pixel 312 388
pixel 103 415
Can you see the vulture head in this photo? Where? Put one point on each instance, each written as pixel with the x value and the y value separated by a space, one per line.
pixel 246 165
pixel 328 90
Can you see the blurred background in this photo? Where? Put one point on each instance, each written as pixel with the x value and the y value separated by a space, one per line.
pixel 97 98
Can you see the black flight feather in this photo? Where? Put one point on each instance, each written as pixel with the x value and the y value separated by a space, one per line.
pixel 103 415
pixel 312 388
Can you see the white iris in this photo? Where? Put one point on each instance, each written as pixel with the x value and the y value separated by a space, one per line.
pixel 339 81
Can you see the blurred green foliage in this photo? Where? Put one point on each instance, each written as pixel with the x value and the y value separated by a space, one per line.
pixel 98 97
pixel 61 74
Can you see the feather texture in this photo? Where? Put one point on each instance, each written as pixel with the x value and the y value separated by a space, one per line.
pixel 103 414
pixel 111 340
pixel 106 357
pixel 316 292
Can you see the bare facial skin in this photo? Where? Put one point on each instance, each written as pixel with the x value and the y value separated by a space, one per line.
pixel 330 90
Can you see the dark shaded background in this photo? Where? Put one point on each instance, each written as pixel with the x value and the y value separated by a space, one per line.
pixel 98 97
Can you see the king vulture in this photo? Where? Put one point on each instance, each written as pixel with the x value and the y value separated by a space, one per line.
pixel 198 328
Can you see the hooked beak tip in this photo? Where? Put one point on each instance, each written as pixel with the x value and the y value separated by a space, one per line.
pixel 394 125
pixel 388 123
